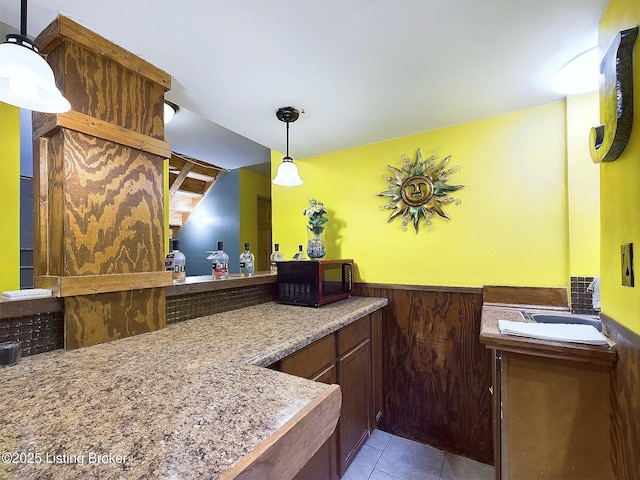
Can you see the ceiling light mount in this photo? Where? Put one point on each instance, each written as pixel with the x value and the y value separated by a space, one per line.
pixel 287 175
pixel 287 114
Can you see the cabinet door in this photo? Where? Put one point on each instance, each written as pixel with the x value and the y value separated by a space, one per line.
pixel 555 419
pixel 354 375
pixel 323 465
pixel 496 392
pixel 376 367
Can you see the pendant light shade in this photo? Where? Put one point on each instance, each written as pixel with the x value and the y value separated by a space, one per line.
pixel 287 174
pixel 26 79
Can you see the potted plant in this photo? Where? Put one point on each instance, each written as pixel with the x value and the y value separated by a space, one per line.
pixel 316 213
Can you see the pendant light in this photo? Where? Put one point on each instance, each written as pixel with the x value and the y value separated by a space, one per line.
pixel 287 175
pixel 26 79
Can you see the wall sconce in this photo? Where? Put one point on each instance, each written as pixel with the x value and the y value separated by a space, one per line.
pixel 287 175
pixel 26 79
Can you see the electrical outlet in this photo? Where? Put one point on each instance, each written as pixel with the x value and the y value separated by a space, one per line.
pixel 626 260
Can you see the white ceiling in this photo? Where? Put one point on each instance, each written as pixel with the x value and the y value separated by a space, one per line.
pixel 363 71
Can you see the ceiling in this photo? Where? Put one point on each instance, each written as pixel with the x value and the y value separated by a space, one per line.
pixel 363 71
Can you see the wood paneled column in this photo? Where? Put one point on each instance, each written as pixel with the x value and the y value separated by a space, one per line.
pixel 98 187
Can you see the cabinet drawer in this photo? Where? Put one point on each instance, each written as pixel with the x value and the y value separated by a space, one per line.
pixel 353 334
pixel 312 358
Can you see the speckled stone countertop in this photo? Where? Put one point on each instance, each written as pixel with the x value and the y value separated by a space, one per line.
pixel 492 338
pixel 184 402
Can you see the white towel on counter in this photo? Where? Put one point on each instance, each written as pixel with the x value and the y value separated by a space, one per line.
pixel 565 332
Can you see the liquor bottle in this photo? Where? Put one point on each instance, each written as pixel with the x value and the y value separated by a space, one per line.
pixel 276 256
pixel 247 261
pixel 176 263
pixel 300 254
pixel 220 263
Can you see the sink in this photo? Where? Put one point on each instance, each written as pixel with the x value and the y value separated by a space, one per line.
pixel 565 318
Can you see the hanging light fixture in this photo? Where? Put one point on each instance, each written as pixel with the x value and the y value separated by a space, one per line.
pixel 26 79
pixel 287 175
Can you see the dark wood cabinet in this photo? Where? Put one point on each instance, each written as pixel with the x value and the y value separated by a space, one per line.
pixel 377 373
pixel 355 382
pixel 352 358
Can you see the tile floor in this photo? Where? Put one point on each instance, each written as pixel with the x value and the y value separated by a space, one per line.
pixel 389 457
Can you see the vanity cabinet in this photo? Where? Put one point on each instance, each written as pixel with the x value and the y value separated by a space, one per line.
pixel 551 402
pixel 551 418
pixel 350 357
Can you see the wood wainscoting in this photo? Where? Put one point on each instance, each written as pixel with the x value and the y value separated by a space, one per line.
pixel 625 402
pixel 436 373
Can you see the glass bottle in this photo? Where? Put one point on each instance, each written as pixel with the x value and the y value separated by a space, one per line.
pixel 176 263
pixel 300 254
pixel 247 261
pixel 220 263
pixel 276 256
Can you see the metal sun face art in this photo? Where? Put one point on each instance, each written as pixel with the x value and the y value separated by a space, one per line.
pixel 419 190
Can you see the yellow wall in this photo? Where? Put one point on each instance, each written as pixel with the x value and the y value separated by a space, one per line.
pixel 583 187
pixel 511 227
pixel 10 198
pixel 252 184
pixel 620 188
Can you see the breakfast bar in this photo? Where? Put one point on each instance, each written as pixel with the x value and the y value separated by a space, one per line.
pixel 192 400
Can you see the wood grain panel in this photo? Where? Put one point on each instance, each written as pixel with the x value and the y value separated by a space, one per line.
pixel 46 125
pixel 100 186
pixel 436 372
pixel 114 213
pixel 104 81
pixel 625 402
pixel 48 206
pixel 93 319
pixel 505 294
pixel 93 284
pixel 64 28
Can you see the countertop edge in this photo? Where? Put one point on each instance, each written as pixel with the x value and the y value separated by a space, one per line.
pixel 266 359
pixel 294 442
pixel 494 340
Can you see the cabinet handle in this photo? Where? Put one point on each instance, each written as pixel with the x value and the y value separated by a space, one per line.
pixel 491 390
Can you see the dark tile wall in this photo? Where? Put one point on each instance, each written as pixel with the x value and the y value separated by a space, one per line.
pixel 194 305
pixel 36 333
pixel 42 332
pixel 581 298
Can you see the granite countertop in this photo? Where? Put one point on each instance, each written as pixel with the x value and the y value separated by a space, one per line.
pixel 184 402
pixel 492 338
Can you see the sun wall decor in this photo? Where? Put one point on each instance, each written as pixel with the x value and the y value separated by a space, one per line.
pixel 419 190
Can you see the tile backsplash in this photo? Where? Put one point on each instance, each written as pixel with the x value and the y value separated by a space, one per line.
pixel 581 297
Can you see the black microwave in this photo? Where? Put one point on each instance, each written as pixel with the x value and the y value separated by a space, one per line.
pixel 315 282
